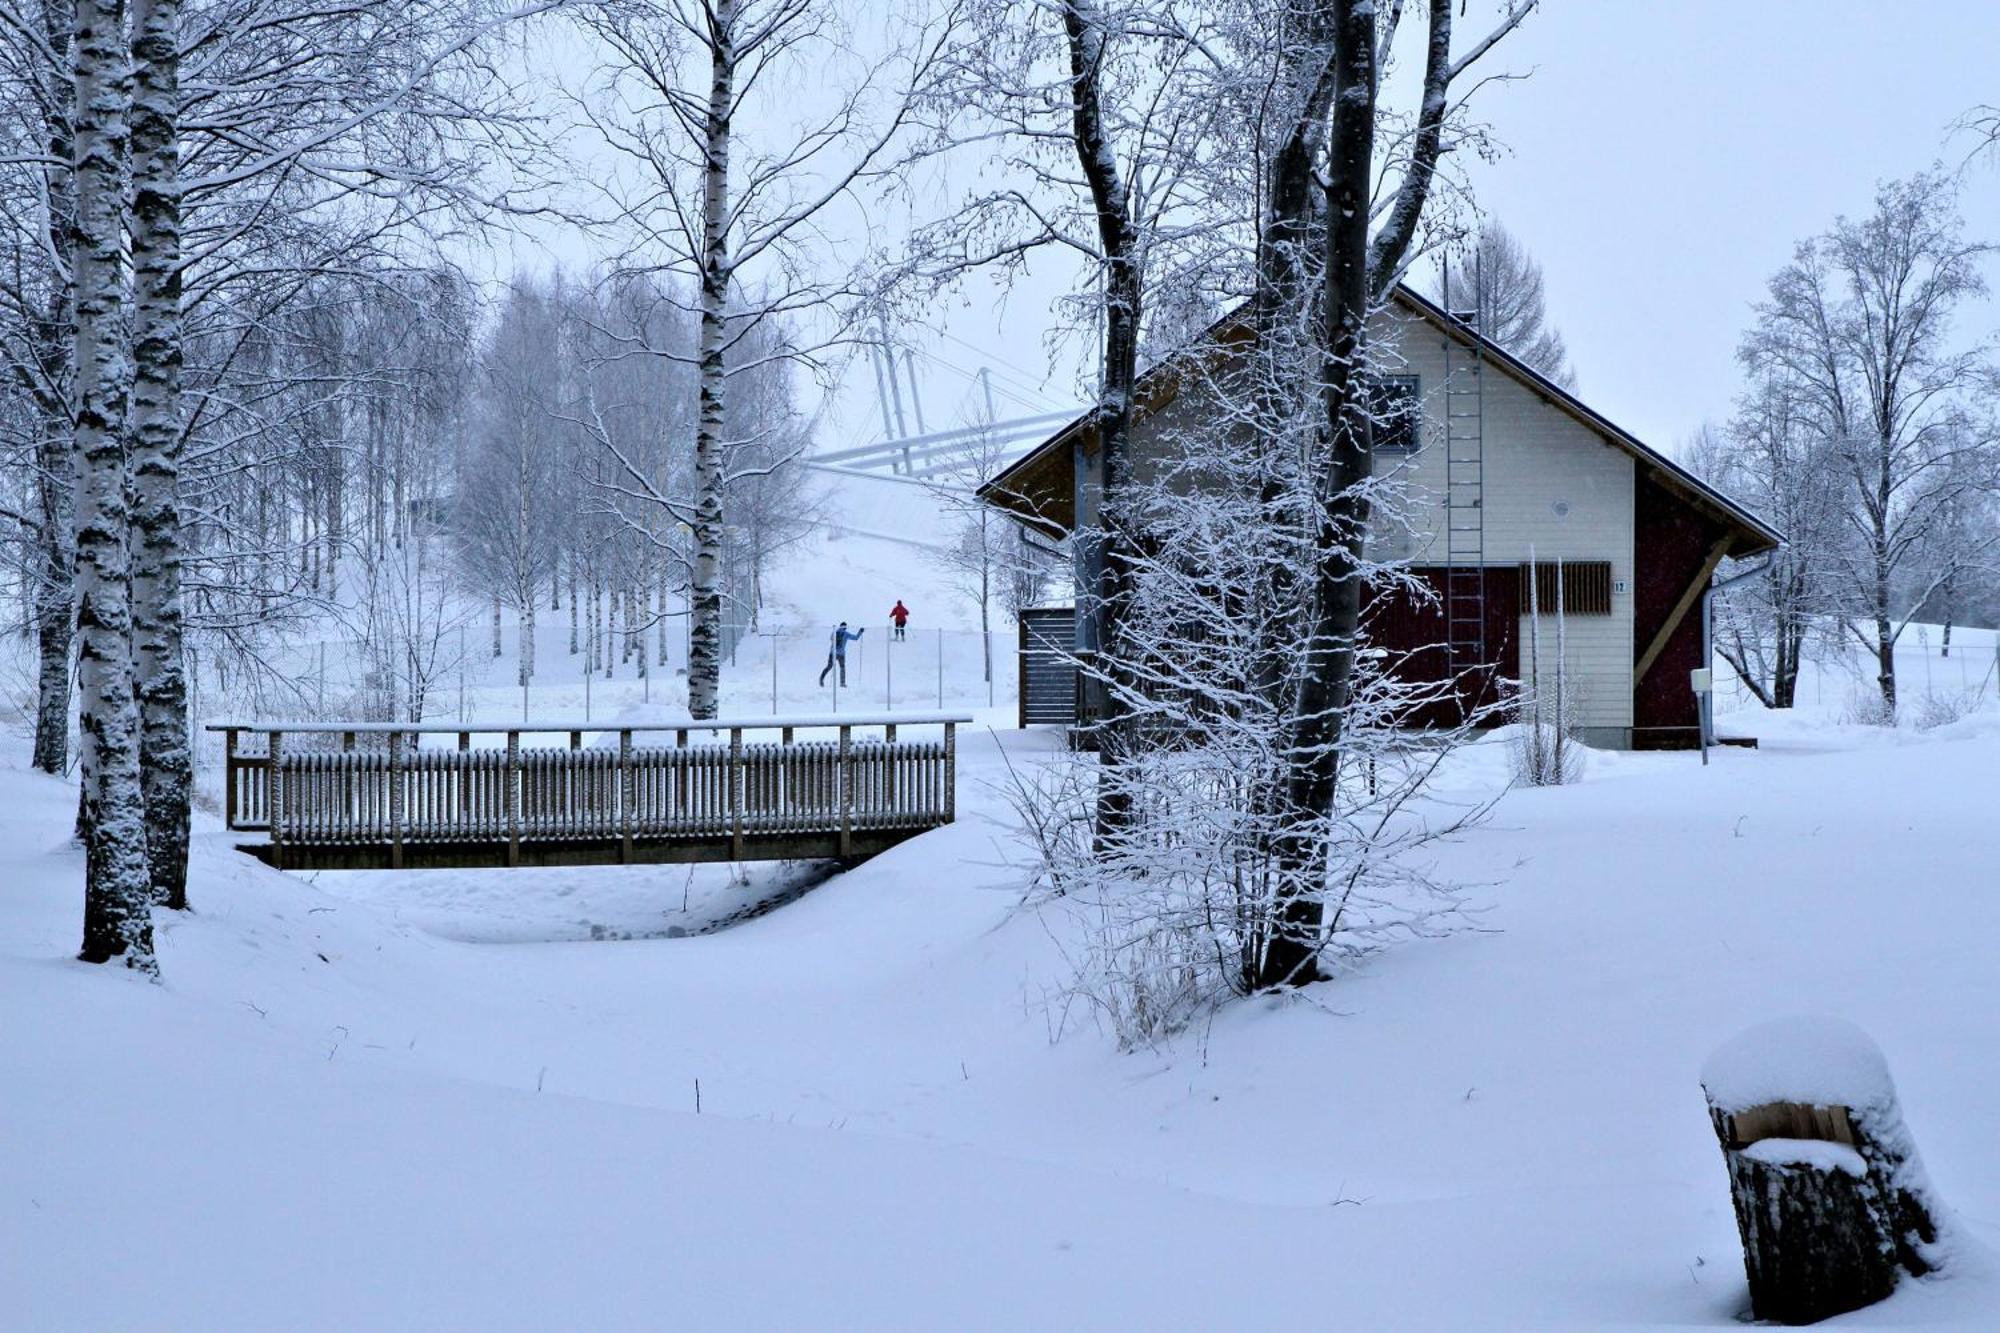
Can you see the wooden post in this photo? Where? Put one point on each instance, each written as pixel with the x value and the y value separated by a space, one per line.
pixel 845 791
pixel 736 793
pixel 347 781
pixel 274 791
pixel 464 776
pixel 889 772
pixel 950 771
pixel 684 775
pixel 229 778
pixel 576 740
pixel 625 793
pixel 395 800
pixel 513 798
pixel 1021 672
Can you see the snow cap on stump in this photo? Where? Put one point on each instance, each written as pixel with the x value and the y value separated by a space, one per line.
pixel 1813 1060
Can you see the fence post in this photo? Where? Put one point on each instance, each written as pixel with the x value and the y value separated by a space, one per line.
pixel 625 793
pixel 347 781
pixel 464 776
pixel 846 793
pixel 395 800
pixel 889 771
pixel 736 793
pixel 950 771
pixel 229 778
pixel 1021 671
pixel 684 775
pixel 274 796
pixel 513 798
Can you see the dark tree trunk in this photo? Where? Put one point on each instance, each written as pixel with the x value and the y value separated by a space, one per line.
pixel 1358 272
pixel 1340 518
pixel 1105 543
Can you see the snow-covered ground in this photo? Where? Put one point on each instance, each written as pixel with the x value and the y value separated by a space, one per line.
pixel 348 1106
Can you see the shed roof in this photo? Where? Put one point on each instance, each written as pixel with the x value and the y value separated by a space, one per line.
pixel 1038 488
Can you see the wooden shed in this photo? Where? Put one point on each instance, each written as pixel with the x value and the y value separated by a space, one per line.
pixel 1502 466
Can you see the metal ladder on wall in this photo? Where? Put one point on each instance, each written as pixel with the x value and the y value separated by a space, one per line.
pixel 1465 496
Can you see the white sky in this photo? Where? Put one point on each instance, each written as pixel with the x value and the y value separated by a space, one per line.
pixel 1666 157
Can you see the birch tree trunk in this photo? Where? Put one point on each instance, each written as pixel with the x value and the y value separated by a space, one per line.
pixel 156 427
pixel 55 462
pixel 705 589
pixel 55 594
pixel 117 912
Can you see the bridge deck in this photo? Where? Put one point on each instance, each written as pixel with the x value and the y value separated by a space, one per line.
pixel 375 796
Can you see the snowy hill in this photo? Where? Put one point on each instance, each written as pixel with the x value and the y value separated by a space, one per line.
pixel 330 1117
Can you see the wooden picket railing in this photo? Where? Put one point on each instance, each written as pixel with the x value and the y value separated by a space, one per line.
pixel 355 795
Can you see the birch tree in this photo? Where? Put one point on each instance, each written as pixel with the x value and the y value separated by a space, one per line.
pixel 36 339
pixel 505 522
pixel 1340 60
pixel 1248 558
pixel 1784 471
pixel 985 556
pixel 750 221
pixel 157 432
pixel 1100 120
pixel 1857 329
pixel 118 898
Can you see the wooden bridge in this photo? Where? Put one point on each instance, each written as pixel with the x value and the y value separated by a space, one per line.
pixel 375 796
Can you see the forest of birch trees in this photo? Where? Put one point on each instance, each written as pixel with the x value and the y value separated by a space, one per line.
pixel 255 377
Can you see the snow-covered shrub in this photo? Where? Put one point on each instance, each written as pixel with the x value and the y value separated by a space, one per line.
pixel 1546 752
pixel 1165 921
pixel 1934 710
pixel 1867 708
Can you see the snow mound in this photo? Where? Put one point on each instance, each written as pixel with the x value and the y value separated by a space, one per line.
pixel 1812 1060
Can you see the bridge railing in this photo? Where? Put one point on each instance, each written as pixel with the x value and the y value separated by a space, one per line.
pixel 352 784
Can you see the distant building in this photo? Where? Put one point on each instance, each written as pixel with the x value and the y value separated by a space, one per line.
pixel 1498 462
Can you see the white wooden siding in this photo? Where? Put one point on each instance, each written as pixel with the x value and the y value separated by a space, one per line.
pixel 1537 457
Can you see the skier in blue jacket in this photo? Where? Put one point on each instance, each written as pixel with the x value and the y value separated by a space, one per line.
pixel 836 653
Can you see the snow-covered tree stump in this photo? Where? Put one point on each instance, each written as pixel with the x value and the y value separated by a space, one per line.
pixel 1830 1196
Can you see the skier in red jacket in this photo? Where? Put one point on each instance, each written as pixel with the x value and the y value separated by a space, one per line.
pixel 899 615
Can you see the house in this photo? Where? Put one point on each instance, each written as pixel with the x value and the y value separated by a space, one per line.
pixel 1500 465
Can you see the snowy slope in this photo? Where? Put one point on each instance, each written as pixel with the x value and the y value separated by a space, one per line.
pixel 330 1117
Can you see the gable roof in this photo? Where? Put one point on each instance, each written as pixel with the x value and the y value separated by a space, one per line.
pixel 1038 488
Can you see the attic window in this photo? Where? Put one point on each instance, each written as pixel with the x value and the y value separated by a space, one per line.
pixel 1586 587
pixel 1396 403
